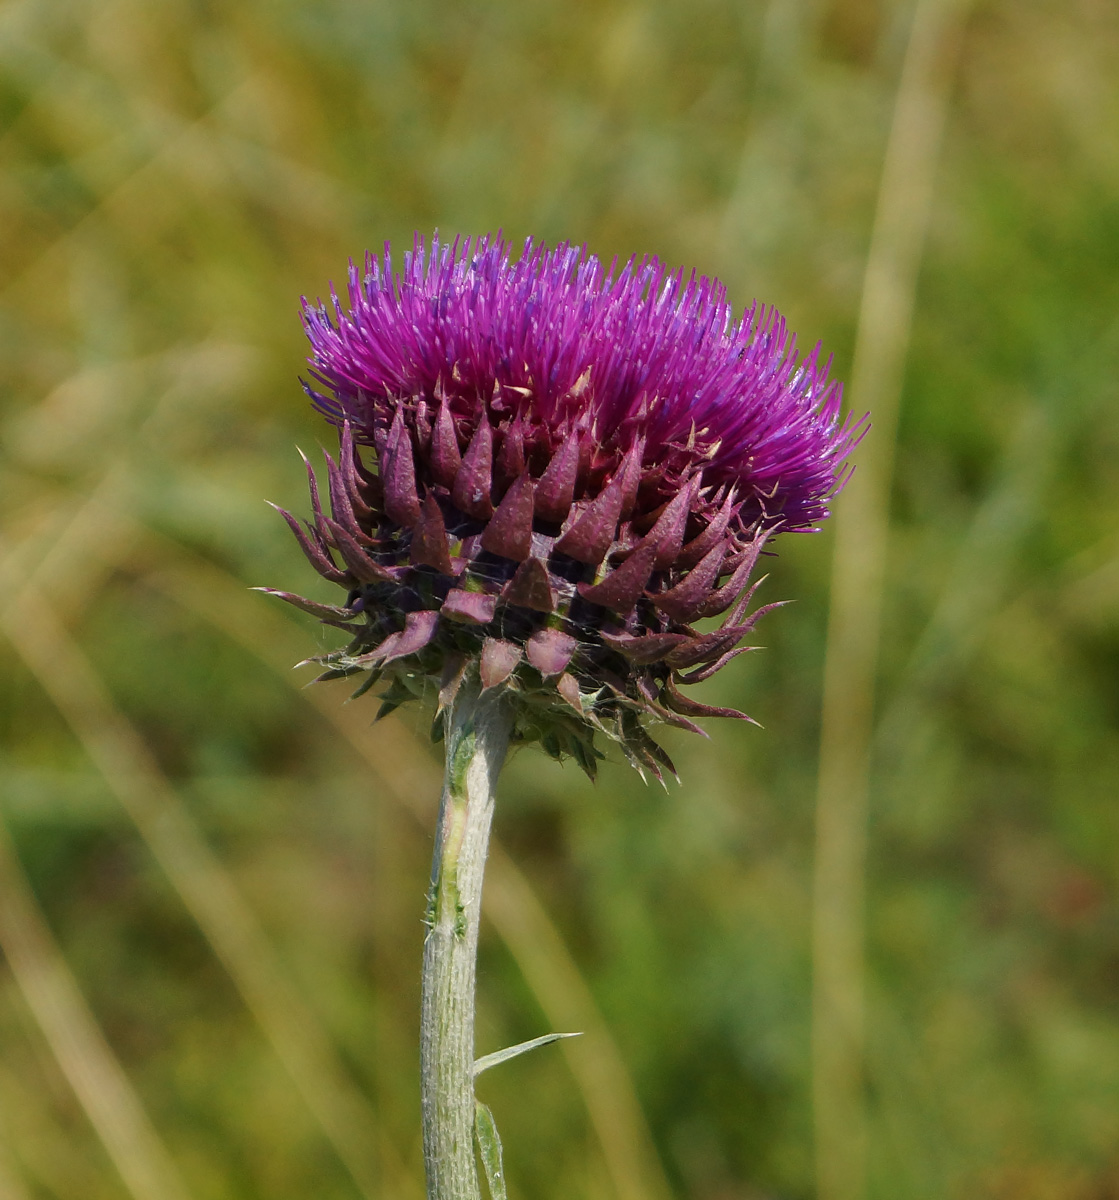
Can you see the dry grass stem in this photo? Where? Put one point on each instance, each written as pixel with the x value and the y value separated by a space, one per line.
pixel 861 537
pixel 86 1059
pixel 206 888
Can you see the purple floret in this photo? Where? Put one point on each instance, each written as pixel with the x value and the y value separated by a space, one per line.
pixel 622 355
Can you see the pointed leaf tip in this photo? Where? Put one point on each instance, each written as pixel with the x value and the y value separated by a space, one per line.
pixel 556 487
pixel 499 1056
pixel 509 532
pixel 325 612
pixel 549 651
pixel 398 475
pixel 430 546
pixel 445 456
pixel 596 527
pixel 498 661
pixel 471 608
pixel 622 588
pixel 470 491
pixel 531 587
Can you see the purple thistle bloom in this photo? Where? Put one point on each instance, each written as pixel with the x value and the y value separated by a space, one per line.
pixel 572 464
pixel 637 352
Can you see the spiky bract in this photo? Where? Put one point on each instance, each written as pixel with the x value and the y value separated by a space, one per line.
pixel 569 466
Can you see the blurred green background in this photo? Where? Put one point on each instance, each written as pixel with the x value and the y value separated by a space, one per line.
pixel 210 901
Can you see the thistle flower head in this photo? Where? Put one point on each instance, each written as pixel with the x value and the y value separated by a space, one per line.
pixel 549 471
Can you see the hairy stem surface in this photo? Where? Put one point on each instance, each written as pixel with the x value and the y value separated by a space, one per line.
pixel 476 740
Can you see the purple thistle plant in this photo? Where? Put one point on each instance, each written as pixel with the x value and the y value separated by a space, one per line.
pixel 549 470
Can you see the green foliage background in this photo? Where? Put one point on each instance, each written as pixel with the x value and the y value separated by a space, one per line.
pixel 173 175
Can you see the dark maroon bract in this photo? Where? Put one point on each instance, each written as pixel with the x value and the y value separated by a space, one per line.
pixel 568 466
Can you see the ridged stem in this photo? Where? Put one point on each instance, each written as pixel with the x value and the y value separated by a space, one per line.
pixel 476 739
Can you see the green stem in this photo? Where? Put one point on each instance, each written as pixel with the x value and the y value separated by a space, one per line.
pixel 477 738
